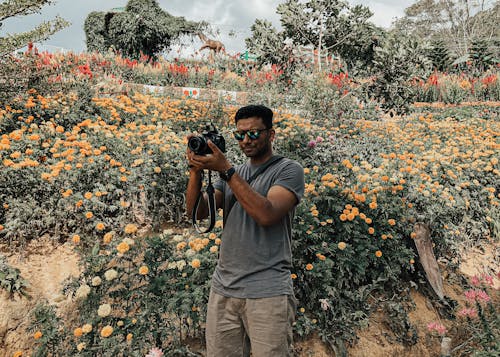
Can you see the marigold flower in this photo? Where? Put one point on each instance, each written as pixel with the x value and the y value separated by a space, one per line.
pixel 157 169
pixel 342 245
pixel 38 334
pixel 309 266
pixel 129 337
pixel 110 274
pixel 214 249
pixel 89 215
pixel 100 226
pixel 88 195
pixel 195 263
pixel 378 253
pixel 343 217
pixel 76 239
pixel 81 346
pixel 106 331
pixel 78 332
pixel 392 222
pixel 130 228
pixel 413 235
pixel 122 247
pixel 107 237
pixel 87 328
pixel 96 281
pixel 17 354
pixel 104 310
pixel 293 276
pixel 218 241
pixel 371 230
pixel 373 205
pixel 143 270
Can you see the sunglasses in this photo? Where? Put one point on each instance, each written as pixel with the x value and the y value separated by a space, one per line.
pixel 252 134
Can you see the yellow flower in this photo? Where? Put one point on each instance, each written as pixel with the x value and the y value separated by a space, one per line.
pixel 214 249
pixel 195 263
pixel 81 346
pixel 122 247
pixel 143 270
pixel 342 245
pixel 107 237
pixel 104 310
pixel 378 253
pixel 76 239
pixel 106 331
pixel 100 226
pixel 88 195
pixel 37 335
pixel 309 266
pixel 78 332
pixel 130 228
pixel 157 169
pixel 87 328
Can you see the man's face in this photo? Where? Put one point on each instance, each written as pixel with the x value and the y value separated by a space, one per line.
pixel 259 147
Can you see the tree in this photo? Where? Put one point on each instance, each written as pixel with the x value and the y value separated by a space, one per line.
pixel 397 61
pixel 13 8
pixel 439 55
pixel 328 26
pixel 457 22
pixel 143 28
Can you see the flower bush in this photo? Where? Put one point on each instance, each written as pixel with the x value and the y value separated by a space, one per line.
pixel 106 171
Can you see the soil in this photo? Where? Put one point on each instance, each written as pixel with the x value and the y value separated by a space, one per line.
pixel 46 265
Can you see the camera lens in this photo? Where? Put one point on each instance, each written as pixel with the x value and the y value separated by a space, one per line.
pixel 197 144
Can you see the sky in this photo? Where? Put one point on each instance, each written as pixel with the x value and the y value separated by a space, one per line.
pixel 228 16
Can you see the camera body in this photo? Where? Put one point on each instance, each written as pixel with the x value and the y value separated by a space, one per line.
pixel 199 144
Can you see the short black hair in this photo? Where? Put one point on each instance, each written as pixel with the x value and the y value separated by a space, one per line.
pixel 259 111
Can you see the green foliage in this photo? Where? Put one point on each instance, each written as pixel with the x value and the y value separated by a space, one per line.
pixel 11 8
pixel 329 26
pixel 45 319
pixel 439 55
pixel 144 28
pixel 396 63
pixel 11 280
pixel 482 55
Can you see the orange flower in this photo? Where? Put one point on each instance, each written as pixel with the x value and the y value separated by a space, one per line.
pixel 392 222
pixel 17 354
pixel 130 228
pixel 342 245
pixel 78 332
pixel 371 230
pixel 294 276
pixel 88 195
pixel 100 226
pixel 143 270
pixel 343 217
pixel 37 335
pixel 413 235
pixel 89 215
pixel 107 237
pixel 309 266
pixel 122 247
pixel 378 253
pixel 373 205
pixel 76 239
pixel 195 263
pixel 106 331
pixel 129 337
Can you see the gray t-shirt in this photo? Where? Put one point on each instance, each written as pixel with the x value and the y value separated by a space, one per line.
pixel 255 261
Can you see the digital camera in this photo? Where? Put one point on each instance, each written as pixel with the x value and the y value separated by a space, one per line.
pixel 199 144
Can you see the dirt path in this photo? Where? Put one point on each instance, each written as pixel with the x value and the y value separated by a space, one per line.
pixel 45 267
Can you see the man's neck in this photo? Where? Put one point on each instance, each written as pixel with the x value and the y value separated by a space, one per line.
pixel 261 159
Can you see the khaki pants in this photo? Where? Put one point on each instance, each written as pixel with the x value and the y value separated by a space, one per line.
pixel 236 326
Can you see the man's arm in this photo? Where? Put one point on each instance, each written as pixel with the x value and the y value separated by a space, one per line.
pixel 265 210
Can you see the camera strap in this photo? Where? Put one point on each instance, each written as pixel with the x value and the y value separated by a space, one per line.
pixel 210 190
pixel 261 169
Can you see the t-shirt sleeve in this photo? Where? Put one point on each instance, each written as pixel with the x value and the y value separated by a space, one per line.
pixel 291 177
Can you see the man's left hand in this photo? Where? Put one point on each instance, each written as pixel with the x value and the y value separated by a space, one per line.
pixel 215 161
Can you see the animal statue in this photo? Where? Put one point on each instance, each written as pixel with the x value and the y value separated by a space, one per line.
pixel 213 45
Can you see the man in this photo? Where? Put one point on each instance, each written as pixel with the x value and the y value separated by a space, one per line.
pixel 251 303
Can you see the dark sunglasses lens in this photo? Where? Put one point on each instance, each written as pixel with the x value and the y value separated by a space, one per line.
pixel 253 134
pixel 239 136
